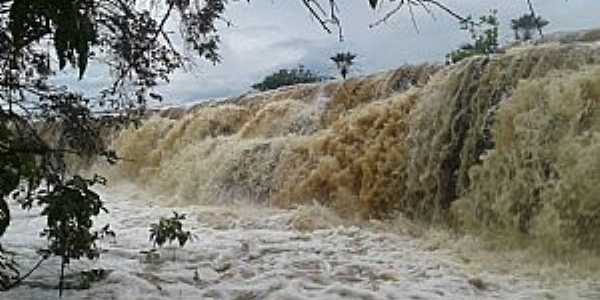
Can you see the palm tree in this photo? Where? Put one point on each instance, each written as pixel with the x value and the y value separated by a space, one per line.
pixel 343 62
pixel 525 26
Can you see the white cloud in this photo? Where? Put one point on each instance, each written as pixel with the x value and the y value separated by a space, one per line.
pixel 273 34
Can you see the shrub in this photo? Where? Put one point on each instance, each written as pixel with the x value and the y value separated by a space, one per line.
pixel 69 210
pixel 484 38
pixel 286 77
pixel 169 230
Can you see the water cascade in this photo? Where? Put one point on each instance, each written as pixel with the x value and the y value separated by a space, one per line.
pixel 506 143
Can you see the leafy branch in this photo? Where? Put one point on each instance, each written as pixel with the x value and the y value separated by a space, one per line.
pixel 169 230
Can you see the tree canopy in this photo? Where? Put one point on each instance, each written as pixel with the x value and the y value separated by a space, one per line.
pixel 134 43
pixel 343 61
pixel 526 25
pixel 484 38
pixel 286 77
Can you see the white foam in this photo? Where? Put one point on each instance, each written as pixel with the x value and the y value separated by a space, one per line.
pixel 254 253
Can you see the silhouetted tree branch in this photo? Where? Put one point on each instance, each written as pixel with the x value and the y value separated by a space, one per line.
pixel 328 17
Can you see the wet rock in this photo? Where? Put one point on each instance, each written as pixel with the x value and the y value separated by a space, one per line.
pixel 478 283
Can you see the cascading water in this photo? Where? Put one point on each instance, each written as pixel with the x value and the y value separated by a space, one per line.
pixel 498 149
pixel 439 146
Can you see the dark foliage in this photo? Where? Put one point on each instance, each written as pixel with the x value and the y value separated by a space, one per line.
pixel 285 77
pixel 169 230
pixel 484 38
pixel 343 62
pixel 8 269
pixel 69 210
pixel 527 25
pixel 139 53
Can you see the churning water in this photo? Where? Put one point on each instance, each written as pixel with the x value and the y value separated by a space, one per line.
pixel 475 181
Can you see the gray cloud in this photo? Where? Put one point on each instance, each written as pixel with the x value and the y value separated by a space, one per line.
pixel 269 35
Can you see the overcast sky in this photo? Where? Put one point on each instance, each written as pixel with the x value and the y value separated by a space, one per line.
pixel 273 34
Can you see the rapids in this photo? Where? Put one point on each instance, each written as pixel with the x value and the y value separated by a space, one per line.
pixel 244 251
pixel 473 181
pixel 507 145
